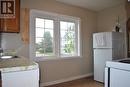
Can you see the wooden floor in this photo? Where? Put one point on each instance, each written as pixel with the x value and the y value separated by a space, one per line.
pixel 85 82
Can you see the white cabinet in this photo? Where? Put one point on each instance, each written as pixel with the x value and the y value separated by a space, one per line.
pixel 29 78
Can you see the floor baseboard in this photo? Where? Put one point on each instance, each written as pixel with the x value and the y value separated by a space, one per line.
pixel 65 80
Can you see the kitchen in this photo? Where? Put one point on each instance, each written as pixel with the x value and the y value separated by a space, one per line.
pixel 50 71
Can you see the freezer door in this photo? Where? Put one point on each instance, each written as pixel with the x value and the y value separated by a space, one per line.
pixel 100 58
pixel 102 40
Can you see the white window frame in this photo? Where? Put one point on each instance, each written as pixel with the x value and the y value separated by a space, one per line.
pixel 56 17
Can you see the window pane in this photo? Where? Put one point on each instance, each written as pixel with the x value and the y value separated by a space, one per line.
pixel 44 38
pixel 68 39
pixel 62 33
pixel 71 26
pixel 39 22
pixel 67 47
pixel 39 40
pixel 39 46
pixel 48 42
pixel 68 35
pixel 39 32
pixel 50 32
pixel 49 50
pixel 63 25
pixel 49 24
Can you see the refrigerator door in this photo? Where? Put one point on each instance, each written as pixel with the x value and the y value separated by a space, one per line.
pixel 107 77
pixel 102 40
pixel 100 58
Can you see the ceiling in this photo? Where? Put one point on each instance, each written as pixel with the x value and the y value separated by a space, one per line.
pixel 95 5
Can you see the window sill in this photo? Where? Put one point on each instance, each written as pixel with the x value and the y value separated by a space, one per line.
pixel 38 59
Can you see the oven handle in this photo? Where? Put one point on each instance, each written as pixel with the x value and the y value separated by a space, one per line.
pixel 107 77
pixel 0 79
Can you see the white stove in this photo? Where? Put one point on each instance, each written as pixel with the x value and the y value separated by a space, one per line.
pixel 117 73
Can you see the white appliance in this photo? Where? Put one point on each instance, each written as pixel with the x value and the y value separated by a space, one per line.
pixel 28 78
pixel 106 46
pixel 117 73
pixel 19 72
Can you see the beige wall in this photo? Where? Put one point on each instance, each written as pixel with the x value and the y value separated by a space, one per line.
pixel 107 18
pixel 52 70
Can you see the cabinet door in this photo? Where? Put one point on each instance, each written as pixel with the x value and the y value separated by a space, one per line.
pixel 28 78
pixel 11 24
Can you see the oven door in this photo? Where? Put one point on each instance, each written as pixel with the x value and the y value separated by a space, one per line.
pixel 117 78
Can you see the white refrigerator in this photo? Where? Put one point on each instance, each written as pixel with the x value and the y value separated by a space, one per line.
pixel 107 46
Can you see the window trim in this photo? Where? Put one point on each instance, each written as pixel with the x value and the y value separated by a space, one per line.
pixel 53 16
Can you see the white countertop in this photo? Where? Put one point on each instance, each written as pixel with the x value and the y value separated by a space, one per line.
pixel 16 64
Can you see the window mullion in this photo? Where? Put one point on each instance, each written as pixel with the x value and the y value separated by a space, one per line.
pixel 57 37
pixel 79 49
pixel 76 38
pixel 44 38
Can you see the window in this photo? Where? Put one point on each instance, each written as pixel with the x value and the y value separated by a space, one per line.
pixel 53 35
pixel 44 37
pixel 68 45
